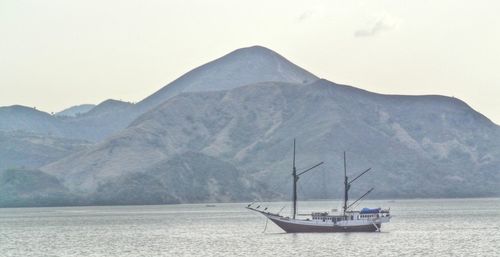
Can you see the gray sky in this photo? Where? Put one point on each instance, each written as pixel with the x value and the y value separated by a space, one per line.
pixel 59 53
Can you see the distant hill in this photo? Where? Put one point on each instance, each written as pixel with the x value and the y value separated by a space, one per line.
pixel 101 121
pixel 98 123
pixel 75 110
pixel 28 119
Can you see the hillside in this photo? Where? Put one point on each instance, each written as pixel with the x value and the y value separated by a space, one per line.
pixel 22 187
pixel 31 151
pixel 418 146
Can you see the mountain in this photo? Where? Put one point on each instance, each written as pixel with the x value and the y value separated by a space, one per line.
pixel 418 146
pixel 75 110
pixel 239 68
pixel 224 132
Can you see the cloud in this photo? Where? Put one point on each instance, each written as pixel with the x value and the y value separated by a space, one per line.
pixel 305 15
pixel 379 26
pixel 311 13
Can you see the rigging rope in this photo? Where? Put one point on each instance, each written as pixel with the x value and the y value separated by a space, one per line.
pixel 267 220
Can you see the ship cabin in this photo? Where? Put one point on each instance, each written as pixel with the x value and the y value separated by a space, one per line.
pixel 364 214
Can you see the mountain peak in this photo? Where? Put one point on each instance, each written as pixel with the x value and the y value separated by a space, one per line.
pixel 256 49
pixel 240 67
pixel 109 105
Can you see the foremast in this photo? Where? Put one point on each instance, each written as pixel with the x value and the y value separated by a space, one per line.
pixel 295 178
pixel 347 186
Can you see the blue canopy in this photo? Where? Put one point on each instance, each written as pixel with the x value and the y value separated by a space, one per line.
pixel 369 210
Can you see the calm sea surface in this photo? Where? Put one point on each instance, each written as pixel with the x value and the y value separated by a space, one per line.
pixel 458 227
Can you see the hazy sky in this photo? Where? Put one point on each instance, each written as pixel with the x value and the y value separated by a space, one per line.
pixel 58 53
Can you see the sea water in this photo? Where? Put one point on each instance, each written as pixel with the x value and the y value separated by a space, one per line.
pixel 439 227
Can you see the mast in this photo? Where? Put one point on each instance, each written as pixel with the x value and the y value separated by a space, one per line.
pixel 346 186
pixel 295 179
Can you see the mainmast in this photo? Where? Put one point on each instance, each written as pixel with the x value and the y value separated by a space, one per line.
pixel 347 186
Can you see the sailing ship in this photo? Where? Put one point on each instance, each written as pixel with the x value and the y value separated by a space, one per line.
pixel 349 220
